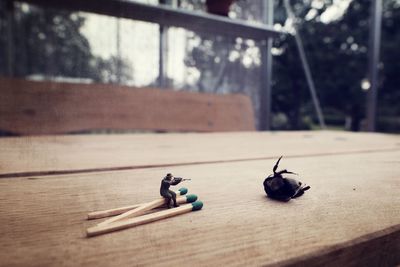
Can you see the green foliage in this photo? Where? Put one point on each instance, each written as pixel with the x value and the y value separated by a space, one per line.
pixel 389 95
pixel 338 56
pixel 3 39
pixel 49 43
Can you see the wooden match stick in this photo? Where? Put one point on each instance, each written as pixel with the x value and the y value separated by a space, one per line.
pixel 112 212
pixel 146 207
pixel 99 230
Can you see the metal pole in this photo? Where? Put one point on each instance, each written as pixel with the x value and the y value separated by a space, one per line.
pixel 375 37
pixel 265 110
pixel 161 52
pixel 119 58
pixel 306 68
pixel 10 37
pixel 163 48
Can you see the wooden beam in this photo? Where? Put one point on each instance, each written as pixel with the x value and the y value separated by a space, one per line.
pixel 34 108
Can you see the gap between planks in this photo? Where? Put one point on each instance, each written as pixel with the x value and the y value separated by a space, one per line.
pixel 150 166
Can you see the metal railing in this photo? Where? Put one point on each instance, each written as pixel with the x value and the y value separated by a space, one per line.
pixel 165 15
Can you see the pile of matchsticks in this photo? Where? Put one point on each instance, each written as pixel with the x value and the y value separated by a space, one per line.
pixel 131 216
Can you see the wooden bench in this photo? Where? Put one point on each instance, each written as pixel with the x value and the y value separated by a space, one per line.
pixel 349 217
pixel 35 108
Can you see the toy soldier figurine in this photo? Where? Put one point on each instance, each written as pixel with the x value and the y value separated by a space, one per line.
pixel 169 195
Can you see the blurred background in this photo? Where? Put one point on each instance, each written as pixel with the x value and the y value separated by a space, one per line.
pixel 40 42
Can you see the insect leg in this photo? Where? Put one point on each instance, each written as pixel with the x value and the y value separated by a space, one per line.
pixel 306 188
pixel 276 164
pixel 286 171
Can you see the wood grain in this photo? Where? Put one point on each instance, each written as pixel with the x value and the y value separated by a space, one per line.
pixel 42 155
pixel 350 215
pixel 33 108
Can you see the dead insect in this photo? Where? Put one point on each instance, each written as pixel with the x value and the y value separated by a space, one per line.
pixel 283 188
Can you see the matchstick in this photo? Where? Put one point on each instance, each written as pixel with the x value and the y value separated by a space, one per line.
pixel 112 212
pixel 146 207
pixel 99 230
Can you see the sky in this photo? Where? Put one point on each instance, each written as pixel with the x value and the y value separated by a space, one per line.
pixel 139 45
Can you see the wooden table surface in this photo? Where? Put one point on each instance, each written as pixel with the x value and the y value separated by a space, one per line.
pixel 350 216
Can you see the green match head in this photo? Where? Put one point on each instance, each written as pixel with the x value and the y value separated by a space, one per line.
pixel 183 191
pixel 191 198
pixel 197 205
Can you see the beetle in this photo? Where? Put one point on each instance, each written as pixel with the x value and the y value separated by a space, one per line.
pixel 282 188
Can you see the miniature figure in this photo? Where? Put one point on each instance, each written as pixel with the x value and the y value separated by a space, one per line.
pixel 169 195
pixel 283 188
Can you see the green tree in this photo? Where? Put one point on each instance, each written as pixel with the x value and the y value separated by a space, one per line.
pixel 49 43
pixel 389 94
pixel 337 54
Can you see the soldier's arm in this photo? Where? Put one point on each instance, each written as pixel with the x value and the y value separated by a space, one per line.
pixel 176 180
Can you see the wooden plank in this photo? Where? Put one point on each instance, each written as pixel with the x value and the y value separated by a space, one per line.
pixel 385 247
pixel 351 214
pixel 57 154
pixel 34 108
